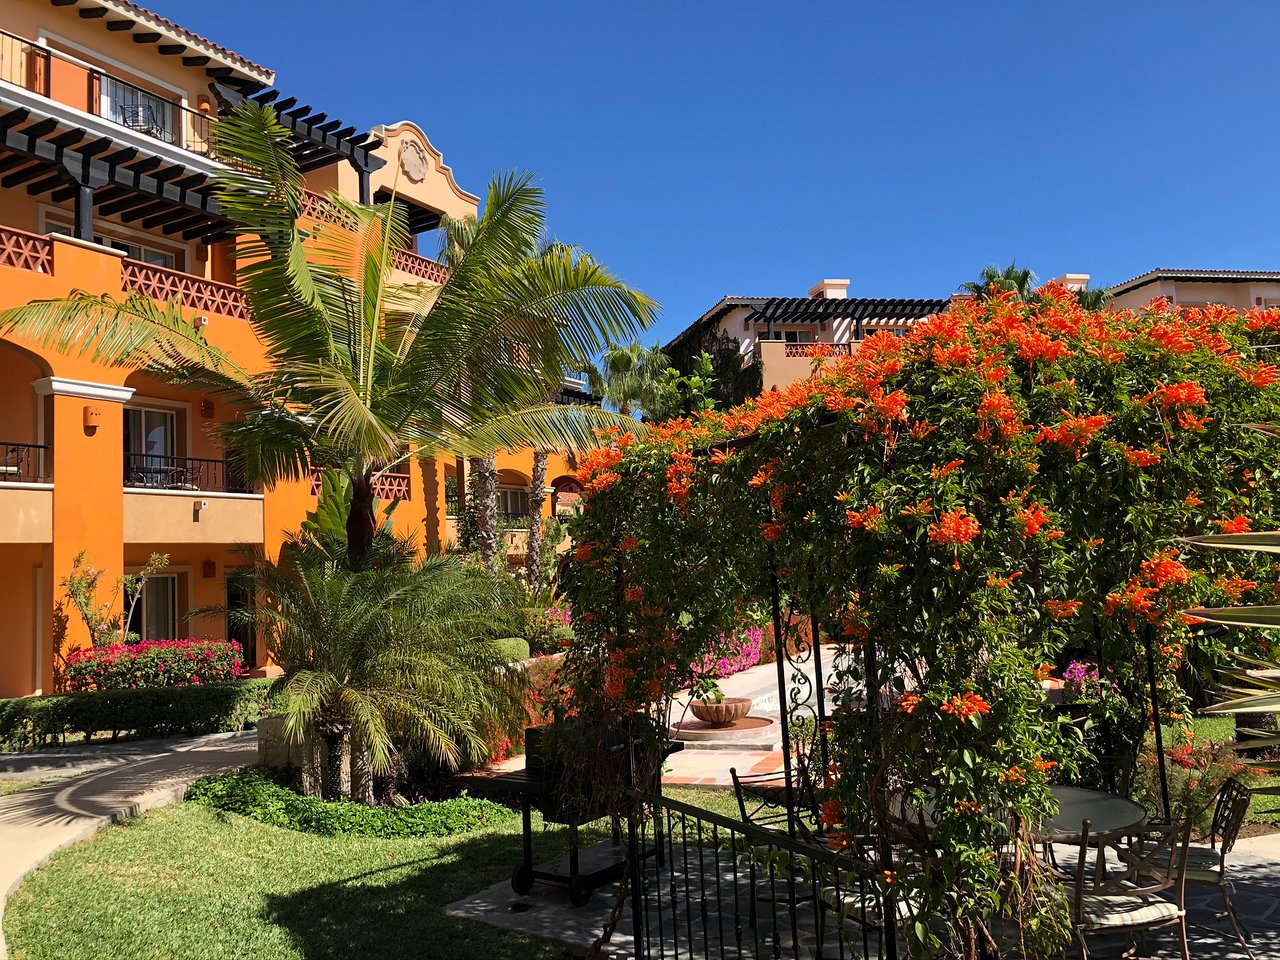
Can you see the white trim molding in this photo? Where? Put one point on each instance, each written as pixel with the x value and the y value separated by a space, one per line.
pixel 192 494
pixel 85 389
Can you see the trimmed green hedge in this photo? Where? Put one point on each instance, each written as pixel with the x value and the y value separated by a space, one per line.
pixel 513 649
pixel 32 722
pixel 253 794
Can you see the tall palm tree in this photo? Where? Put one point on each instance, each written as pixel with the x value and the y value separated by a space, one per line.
pixel 533 544
pixel 367 372
pixel 1019 280
pixel 629 376
pixel 399 650
pixel 1094 298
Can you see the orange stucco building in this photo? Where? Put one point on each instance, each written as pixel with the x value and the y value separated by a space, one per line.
pixel 105 186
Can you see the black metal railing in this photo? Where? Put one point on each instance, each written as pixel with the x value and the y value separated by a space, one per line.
pixel 152 472
pixel 705 886
pixel 23 462
pixel 83 86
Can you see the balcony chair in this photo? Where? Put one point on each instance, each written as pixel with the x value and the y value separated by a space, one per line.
pixel 142 118
pixel 13 466
pixel 1124 892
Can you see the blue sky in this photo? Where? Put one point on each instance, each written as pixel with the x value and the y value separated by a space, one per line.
pixel 708 148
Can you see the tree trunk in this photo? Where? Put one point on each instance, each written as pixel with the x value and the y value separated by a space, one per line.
pixel 361 774
pixel 334 744
pixel 485 491
pixel 361 524
pixel 533 547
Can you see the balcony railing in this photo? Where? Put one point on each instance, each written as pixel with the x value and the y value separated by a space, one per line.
pixel 23 462
pixel 164 283
pixel 74 83
pixel 151 471
pixel 815 350
pixel 25 251
pixel 388 486
pixel 419 266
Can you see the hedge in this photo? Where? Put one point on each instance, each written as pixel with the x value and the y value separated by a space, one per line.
pixel 251 793
pixel 513 649
pixel 32 722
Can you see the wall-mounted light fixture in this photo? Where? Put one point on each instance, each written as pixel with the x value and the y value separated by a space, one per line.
pixel 92 418
pixel 200 321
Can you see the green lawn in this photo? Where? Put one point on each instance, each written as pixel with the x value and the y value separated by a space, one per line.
pixel 17 786
pixel 1265 808
pixel 194 883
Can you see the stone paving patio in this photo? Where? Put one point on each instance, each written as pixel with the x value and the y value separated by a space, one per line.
pixel 546 912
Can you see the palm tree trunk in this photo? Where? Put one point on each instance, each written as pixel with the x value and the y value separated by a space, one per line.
pixel 533 546
pixel 334 750
pixel 361 525
pixel 361 774
pixel 485 491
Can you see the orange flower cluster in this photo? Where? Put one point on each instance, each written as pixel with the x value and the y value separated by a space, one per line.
pixel 633 594
pixel 680 475
pixel 1061 609
pixel 907 703
pixel 772 531
pixel 1002 583
pixel 1263 375
pixel 829 814
pixel 998 414
pixel 1031 519
pixel 956 355
pixel 1187 394
pixel 1035 347
pixel 1141 458
pixel 966 705
pixel 871 518
pixel 1234 524
pixel 1233 586
pixel 1014 774
pixel 955 528
pixel 937 472
pixel 1173 337
pixel 1074 433
pixel 1164 569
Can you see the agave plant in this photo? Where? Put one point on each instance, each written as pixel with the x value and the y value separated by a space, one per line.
pixel 1253 684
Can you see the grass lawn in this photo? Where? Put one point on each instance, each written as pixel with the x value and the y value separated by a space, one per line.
pixel 17 786
pixel 194 883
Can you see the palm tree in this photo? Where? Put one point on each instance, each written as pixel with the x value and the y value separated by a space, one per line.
pixel 533 545
pixel 629 377
pixel 400 650
pixel 1094 298
pixel 367 372
pixel 1019 280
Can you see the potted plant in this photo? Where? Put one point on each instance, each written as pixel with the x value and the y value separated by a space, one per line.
pixel 711 706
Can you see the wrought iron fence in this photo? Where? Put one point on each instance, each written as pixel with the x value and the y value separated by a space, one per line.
pixel 705 886
pixel 23 462
pixel 153 472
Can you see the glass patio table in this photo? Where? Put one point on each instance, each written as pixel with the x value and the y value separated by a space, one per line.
pixel 1104 811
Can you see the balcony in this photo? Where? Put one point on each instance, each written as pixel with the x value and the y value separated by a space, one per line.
pixel 23 463
pixel 74 83
pixel 387 486
pixel 163 283
pixel 26 499
pixel 151 471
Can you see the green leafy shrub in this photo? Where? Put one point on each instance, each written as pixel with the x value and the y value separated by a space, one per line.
pixel 1196 771
pixel 252 793
pixel 513 649
pixel 32 722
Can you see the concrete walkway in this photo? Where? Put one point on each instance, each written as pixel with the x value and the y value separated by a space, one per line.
pixel 107 783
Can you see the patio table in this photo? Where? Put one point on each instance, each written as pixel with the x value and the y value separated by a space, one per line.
pixel 1104 811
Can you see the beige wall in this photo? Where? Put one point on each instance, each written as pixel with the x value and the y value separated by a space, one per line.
pixel 171 516
pixel 1240 296
pixel 26 514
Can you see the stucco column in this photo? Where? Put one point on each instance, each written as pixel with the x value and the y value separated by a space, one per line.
pixel 84 428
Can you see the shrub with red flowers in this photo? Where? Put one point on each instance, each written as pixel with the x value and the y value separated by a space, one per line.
pixel 154 663
pixel 1006 486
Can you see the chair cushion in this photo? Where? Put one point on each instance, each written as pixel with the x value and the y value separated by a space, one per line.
pixel 1204 864
pixel 1122 910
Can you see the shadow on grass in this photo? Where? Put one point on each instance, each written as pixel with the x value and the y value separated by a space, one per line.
pixel 399 912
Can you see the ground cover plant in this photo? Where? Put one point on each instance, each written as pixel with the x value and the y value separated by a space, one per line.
pixel 965 510
pixel 202 884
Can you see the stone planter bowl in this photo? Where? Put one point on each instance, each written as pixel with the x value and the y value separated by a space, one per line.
pixel 721 713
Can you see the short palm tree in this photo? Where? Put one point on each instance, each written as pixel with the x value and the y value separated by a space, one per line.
pixel 629 376
pixel 367 371
pixel 1013 278
pixel 400 651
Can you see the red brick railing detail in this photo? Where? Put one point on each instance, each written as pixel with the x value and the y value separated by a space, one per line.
pixel 161 283
pixel 389 486
pixel 419 266
pixel 26 251
pixel 319 208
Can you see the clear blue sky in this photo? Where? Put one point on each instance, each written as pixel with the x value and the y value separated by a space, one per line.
pixel 707 148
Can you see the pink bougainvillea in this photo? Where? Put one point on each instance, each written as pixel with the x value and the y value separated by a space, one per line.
pixel 154 663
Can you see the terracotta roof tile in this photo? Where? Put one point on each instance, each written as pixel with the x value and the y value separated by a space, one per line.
pixel 143 12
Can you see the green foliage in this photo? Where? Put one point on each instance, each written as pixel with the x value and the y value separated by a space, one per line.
pixel 513 649
pixel 630 377
pixel 32 722
pixel 251 793
pixel 733 381
pixel 993 280
pixel 104 623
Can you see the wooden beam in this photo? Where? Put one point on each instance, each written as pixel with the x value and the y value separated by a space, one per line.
pixel 118 25
pixel 171 49
pixel 95 147
pixel 145 165
pixel 146 210
pixel 171 215
pixel 48 183
pixel 64 3
pixel 93 13
pixel 123 155
pixel 23 175
pixel 213 231
pixel 12 160
pixel 128 201
pixel 171 226
pixel 68 137
pixel 41 127
pixel 146 37
pixel 194 61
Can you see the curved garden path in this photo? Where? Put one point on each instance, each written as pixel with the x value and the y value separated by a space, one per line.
pixel 99 785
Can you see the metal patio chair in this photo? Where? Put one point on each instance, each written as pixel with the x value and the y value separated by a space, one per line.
pixel 1125 891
